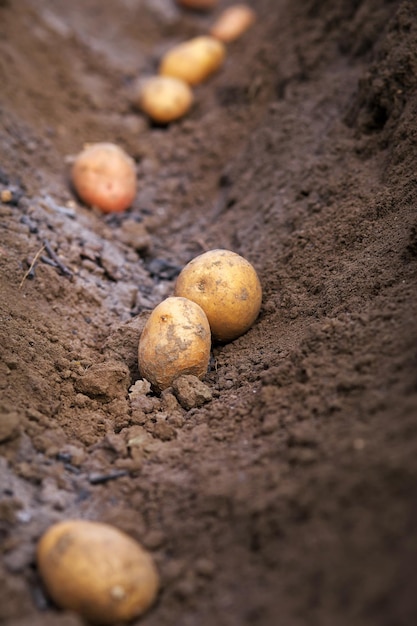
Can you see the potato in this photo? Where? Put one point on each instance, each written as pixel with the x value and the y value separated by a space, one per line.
pixel 195 60
pixel 226 287
pixel 233 22
pixel 200 5
pixel 97 571
pixel 175 341
pixel 104 176
pixel 164 98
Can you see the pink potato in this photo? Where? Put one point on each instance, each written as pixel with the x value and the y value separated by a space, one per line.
pixel 104 176
pixel 233 22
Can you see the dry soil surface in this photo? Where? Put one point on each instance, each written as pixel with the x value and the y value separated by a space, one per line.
pixel 289 498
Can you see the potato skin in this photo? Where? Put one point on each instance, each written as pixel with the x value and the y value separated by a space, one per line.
pixel 97 571
pixel 195 60
pixel 226 287
pixel 176 340
pixel 103 175
pixel 233 22
pixel 164 98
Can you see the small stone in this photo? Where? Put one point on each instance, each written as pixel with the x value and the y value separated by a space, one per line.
pixel 191 392
pixel 11 195
pixel 6 195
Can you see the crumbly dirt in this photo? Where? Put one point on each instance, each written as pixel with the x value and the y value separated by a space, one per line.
pixel 290 497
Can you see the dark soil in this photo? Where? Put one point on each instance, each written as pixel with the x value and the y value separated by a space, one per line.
pixel 291 497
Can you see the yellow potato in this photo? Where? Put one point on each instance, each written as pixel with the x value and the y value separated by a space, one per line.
pixel 201 5
pixel 233 22
pixel 226 287
pixel 195 60
pixel 175 341
pixel 104 176
pixel 164 98
pixel 97 571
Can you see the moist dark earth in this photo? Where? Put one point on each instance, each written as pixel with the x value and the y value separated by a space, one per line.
pixel 290 497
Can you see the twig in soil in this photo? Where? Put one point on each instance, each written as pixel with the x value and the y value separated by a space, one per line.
pixel 98 479
pixel 64 269
pixel 48 261
pixel 201 243
pixel 48 203
pixel 32 265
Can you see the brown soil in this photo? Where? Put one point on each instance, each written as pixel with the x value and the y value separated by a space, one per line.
pixel 291 497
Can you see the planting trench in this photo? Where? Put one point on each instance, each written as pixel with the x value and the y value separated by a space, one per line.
pixel 290 497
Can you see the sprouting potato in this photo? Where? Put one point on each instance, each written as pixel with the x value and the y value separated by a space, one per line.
pixel 176 340
pixel 97 571
pixel 164 98
pixel 200 5
pixel 195 60
pixel 104 176
pixel 226 287
pixel 233 22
